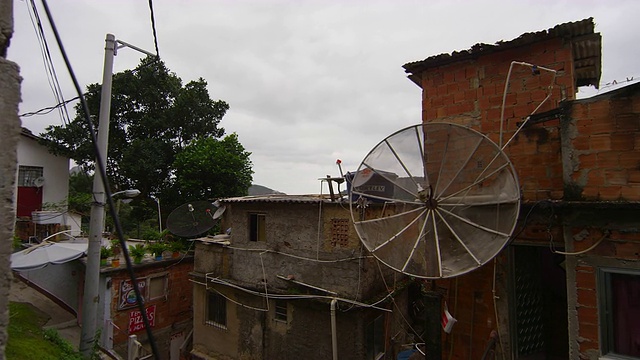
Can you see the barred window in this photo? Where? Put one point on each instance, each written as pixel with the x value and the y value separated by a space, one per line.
pixel 281 310
pixel 216 310
pixel 27 174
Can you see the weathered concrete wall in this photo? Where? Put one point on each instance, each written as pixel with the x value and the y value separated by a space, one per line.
pixel 9 133
pixel 296 239
pixel 254 334
pixel 297 235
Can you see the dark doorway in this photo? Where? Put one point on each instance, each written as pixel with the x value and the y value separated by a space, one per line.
pixel 539 304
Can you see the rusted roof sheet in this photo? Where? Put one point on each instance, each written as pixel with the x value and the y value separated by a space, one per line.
pixel 278 198
pixel 587 53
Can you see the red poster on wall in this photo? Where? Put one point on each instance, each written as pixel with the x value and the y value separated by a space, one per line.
pixel 135 319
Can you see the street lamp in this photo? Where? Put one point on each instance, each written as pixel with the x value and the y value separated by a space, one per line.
pixel 130 193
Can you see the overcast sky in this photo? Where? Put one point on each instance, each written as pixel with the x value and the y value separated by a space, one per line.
pixel 308 82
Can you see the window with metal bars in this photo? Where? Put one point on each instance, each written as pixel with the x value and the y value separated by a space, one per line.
pixel 216 310
pixel 281 310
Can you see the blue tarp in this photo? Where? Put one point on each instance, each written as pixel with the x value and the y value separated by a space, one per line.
pixel 404 355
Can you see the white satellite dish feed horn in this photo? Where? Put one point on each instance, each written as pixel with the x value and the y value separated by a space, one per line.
pixel 38 182
pixel 451 200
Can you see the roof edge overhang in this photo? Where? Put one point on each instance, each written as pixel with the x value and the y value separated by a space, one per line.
pixel 586 47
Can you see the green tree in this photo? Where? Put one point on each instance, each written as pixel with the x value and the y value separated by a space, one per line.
pixel 210 168
pixel 80 189
pixel 153 119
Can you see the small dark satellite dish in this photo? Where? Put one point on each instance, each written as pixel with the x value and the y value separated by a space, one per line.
pixel 192 218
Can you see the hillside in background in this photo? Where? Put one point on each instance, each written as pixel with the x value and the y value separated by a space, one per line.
pixel 262 190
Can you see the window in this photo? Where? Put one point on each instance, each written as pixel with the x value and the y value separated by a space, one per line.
pixel 281 310
pixel 257 227
pixel 619 312
pixel 27 174
pixel 157 287
pixel 375 338
pixel 216 310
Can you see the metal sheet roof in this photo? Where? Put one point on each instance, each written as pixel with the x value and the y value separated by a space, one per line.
pixel 278 198
pixel 586 44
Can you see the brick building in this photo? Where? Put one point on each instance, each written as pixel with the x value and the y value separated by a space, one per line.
pixel 167 292
pixel 568 283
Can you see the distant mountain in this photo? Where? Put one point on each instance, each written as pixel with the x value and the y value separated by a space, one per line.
pixel 262 190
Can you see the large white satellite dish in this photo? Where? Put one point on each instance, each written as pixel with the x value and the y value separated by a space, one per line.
pixel 447 200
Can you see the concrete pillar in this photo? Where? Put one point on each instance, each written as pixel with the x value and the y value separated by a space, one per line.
pixel 9 135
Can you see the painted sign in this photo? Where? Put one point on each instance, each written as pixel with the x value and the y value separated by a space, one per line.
pixel 128 296
pixel 135 319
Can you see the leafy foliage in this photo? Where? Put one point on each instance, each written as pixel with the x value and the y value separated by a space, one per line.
pixel 154 119
pixel 27 341
pixel 210 168
pixel 80 186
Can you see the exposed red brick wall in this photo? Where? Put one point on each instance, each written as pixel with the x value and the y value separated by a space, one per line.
pixel 176 308
pixel 605 144
pixel 471 93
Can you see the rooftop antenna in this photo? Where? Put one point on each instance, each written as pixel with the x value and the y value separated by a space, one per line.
pixel 337 180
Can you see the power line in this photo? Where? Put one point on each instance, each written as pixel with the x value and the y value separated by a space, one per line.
pixel 153 28
pixel 48 109
pixel 52 76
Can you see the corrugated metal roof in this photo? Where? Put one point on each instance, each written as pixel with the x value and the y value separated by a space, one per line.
pixel 279 198
pixel 587 53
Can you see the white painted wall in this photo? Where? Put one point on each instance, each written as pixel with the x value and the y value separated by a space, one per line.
pixel 55 168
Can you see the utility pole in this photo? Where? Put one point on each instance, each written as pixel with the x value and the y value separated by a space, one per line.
pixel 91 296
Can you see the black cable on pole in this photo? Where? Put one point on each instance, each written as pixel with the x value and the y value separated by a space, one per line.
pixel 47 109
pixel 101 168
pixel 153 28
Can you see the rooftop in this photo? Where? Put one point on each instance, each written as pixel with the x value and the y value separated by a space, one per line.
pixel 586 45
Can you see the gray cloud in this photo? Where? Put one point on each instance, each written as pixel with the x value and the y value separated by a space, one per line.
pixel 308 82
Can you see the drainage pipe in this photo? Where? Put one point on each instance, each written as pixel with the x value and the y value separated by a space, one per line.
pixel 334 335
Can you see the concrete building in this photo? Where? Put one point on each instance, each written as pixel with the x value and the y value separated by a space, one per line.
pixel 42 189
pixel 293 281
pixel 566 287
